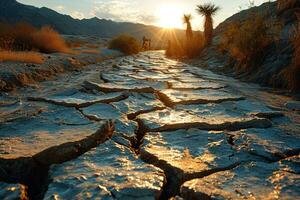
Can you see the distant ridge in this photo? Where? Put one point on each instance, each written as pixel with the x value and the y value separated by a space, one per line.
pixel 13 12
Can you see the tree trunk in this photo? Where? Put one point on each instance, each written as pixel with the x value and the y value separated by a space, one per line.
pixel 208 30
pixel 189 32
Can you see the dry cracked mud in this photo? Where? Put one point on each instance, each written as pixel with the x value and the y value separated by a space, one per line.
pixel 148 127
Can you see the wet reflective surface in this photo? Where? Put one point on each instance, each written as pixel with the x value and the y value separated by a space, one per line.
pixel 178 131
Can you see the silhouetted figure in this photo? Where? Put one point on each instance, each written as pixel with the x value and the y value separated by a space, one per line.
pixel 146 43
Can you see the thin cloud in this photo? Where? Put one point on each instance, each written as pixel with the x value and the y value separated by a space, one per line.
pixel 60 8
pixel 77 15
pixel 121 11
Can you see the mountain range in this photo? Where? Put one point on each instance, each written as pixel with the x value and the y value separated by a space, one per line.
pixel 13 12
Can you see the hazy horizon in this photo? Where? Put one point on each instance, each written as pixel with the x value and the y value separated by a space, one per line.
pixel 164 13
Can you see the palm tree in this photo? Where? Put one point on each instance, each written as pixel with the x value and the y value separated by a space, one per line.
pixel 189 32
pixel 208 11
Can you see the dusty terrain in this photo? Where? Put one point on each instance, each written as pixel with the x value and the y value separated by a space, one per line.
pixel 87 50
pixel 146 127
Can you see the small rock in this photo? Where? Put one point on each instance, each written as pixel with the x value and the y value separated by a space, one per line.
pixel 293 105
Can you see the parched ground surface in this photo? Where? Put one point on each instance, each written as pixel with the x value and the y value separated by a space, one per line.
pixel 146 127
pixel 14 75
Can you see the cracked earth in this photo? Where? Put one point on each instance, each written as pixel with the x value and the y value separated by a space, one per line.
pixel 146 127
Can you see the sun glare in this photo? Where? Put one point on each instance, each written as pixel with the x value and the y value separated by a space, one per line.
pixel 170 16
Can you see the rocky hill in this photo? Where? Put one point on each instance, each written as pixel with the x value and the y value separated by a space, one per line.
pixel 274 58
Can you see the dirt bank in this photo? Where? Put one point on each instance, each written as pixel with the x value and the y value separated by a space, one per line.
pixel 17 74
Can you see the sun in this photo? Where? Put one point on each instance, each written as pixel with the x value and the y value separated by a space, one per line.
pixel 170 16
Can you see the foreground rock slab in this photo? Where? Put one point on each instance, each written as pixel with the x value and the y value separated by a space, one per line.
pixel 272 144
pixel 33 171
pixel 67 151
pixel 124 128
pixel 201 84
pixel 118 87
pixel 190 152
pixel 18 110
pixel 116 77
pixel 137 104
pixel 254 180
pixel 109 171
pixel 152 74
pixel 174 97
pixel 79 99
pixel 53 125
pixel 166 120
pixel 229 109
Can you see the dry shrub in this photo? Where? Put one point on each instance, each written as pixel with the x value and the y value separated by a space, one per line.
pixel 175 48
pixel 28 57
pixel 187 48
pixel 126 44
pixel 48 40
pixel 246 41
pixel 25 37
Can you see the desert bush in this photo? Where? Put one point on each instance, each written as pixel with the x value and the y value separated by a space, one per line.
pixel 185 48
pixel 175 48
pixel 246 41
pixel 25 37
pixel 126 44
pixel 28 57
pixel 47 40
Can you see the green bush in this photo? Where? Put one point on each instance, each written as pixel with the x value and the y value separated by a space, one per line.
pixel 126 44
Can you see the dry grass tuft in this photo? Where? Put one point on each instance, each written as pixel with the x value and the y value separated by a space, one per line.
pixel 246 41
pixel 25 37
pixel 47 40
pixel 126 44
pixel 28 57
pixel 185 48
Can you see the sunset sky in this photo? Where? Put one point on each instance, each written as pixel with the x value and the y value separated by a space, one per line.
pixel 166 13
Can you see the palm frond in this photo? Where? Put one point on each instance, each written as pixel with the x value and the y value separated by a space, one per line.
pixel 207 9
pixel 187 18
